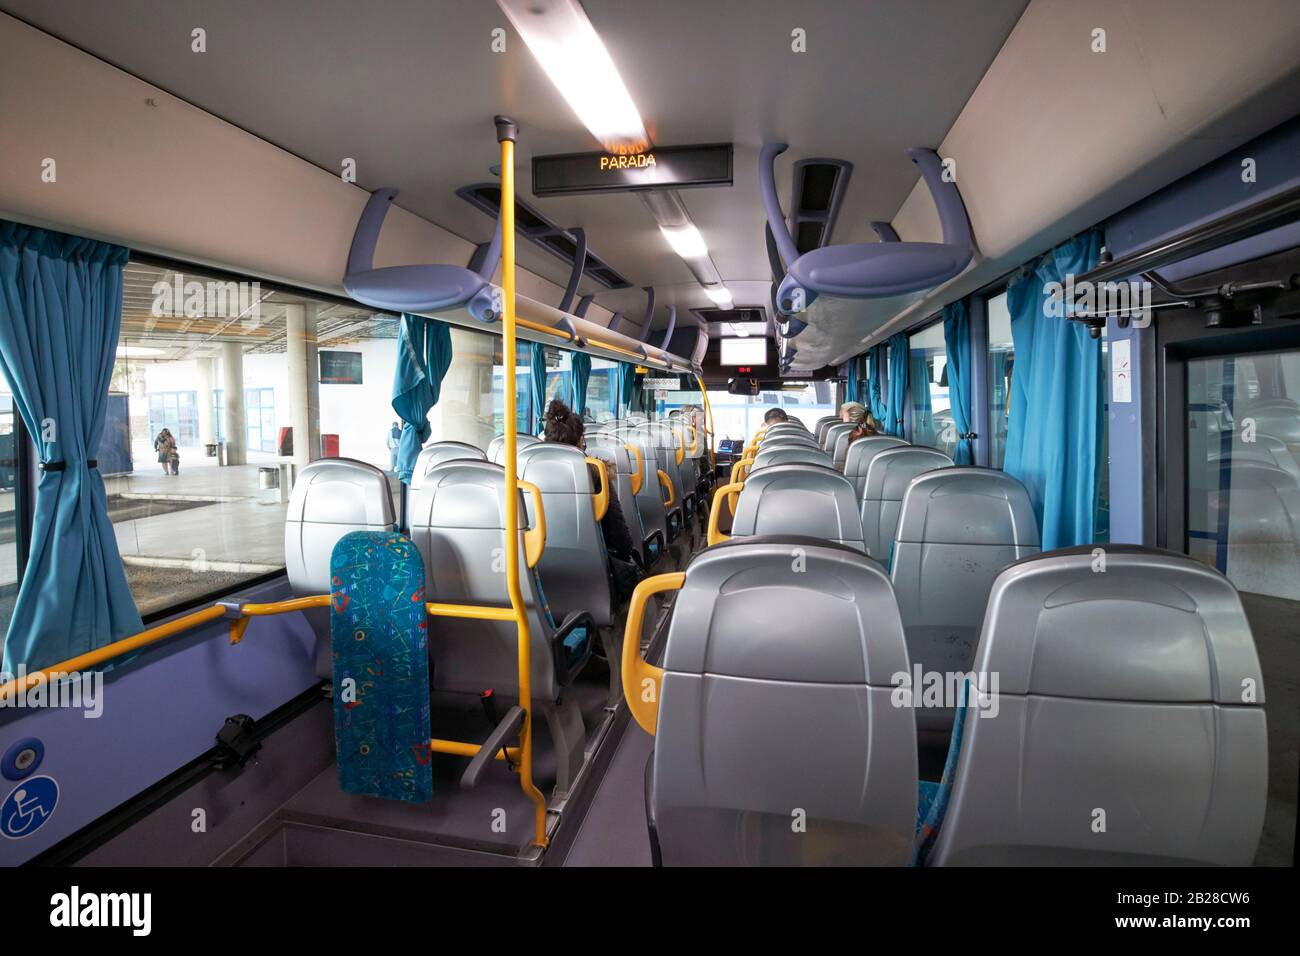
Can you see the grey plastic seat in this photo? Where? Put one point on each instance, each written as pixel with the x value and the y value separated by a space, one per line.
pixel 959 527
pixel 629 472
pixel 809 500
pixel 458 529
pixel 888 475
pixel 575 565
pixel 649 499
pixel 789 438
pixel 833 433
pixel 775 703
pixel 332 497
pixel 1122 700
pixel 860 455
pixel 785 454
pixel 496 447
pixel 658 443
pixel 823 423
pixel 436 453
pixel 785 428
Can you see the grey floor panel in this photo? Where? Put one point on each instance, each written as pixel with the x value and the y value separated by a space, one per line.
pixel 614 833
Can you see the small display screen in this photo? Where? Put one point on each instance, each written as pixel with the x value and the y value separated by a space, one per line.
pixel 746 351
pixel 668 167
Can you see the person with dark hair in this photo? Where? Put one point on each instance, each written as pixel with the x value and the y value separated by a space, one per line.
pixel 775 415
pixel 562 426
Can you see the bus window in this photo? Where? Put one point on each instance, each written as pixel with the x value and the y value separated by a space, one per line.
pixel 1243 469
pixel 927 386
pixel 737 417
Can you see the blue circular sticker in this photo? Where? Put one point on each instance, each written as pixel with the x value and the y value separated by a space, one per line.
pixel 28 807
pixel 22 759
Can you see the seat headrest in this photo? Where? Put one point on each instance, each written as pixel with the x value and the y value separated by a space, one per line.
pixel 833 432
pixel 610 448
pixel 496 447
pixel 787 608
pixel 786 454
pixel 862 451
pixel 890 471
pixel 965 506
pixel 799 498
pixel 463 494
pixel 1119 623
pixel 342 491
pixel 433 455
pixel 555 468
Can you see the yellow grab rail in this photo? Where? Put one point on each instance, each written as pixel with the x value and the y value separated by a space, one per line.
pixel 665 483
pixel 714 535
pixel 642 681
pixel 600 500
pixel 680 451
pixel 534 537
pixel 506 133
pixel 638 475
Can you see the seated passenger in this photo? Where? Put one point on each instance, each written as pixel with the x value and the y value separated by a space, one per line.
pixel 865 423
pixel 775 415
pixel 563 426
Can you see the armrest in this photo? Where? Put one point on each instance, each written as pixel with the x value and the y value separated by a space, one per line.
pixel 638 471
pixel 508 729
pixel 578 623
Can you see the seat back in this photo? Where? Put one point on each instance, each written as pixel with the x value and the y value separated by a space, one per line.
pixel 1130 728
pixel 459 529
pixel 958 529
pixel 1263 524
pixel 792 452
pixel 860 454
pixel 609 448
pixel 776 701
pixel 496 447
pixel 658 443
pixel 332 497
pixel 888 475
pixel 788 438
pixel 832 435
pixel 823 423
pixel 574 569
pixel 434 454
pixel 810 500
pixel 786 428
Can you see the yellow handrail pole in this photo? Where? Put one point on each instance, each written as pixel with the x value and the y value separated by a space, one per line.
pixel 116 649
pixel 506 133
pixel 708 416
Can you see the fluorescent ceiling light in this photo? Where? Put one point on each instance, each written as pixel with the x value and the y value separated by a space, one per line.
pixel 129 350
pixel 719 295
pixel 571 53
pixel 686 241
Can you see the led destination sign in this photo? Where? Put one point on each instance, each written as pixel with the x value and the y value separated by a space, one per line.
pixel 668 167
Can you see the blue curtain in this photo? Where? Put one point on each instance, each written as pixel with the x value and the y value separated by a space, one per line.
pixel 423 357
pixel 581 374
pixel 60 314
pixel 537 377
pixel 898 356
pixel 918 378
pixel 875 389
pixel 956 339
pixel 851 387
pixel 626 384
pixel 1054 427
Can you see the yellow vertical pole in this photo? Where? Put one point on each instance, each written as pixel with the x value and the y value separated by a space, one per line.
pixel 708 415
pixel 507 131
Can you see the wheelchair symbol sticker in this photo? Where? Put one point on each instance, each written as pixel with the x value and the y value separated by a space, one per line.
pixel 28 807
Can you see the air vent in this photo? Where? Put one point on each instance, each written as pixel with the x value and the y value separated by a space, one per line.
pixel 536 228
pixel 819 186
pixel 732 316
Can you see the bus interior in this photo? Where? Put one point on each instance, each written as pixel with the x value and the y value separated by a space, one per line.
pixel 546 433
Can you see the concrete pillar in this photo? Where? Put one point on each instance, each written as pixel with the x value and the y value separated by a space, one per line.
pixel 304 382
pixel 207 424
pixel 232 402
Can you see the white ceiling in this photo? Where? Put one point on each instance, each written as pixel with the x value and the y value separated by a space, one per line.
pixel 408 89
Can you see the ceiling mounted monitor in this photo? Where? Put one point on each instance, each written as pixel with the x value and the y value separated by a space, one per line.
pixel 746 351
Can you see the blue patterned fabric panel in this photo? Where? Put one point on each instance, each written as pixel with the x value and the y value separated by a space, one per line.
pixel 932 798
pixel 378 629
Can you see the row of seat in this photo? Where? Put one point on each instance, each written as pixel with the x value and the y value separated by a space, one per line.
pixel 456 520
pixel 1120 719
pixel 1126 725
